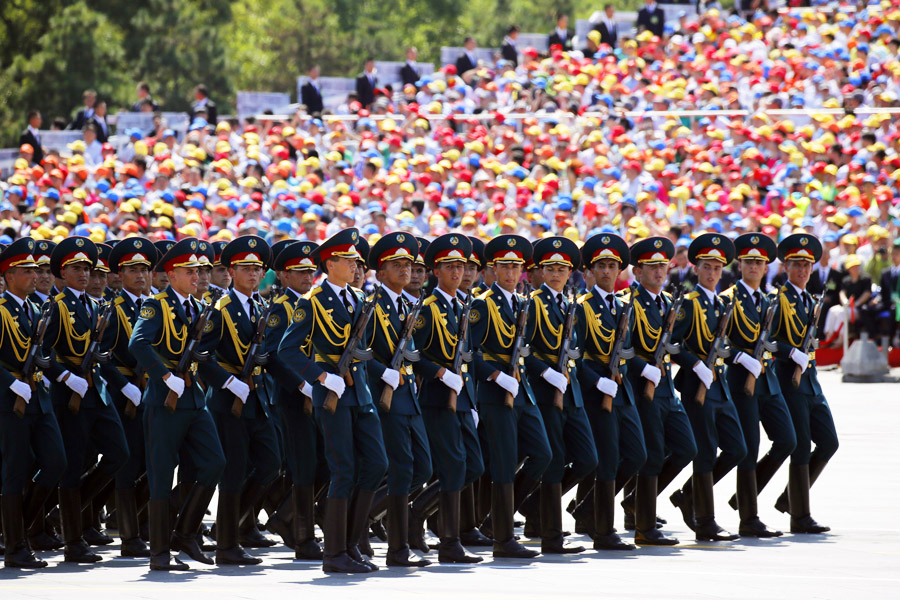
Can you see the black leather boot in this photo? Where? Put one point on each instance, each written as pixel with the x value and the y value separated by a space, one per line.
pixel 469 534
pixel 605 536
pixel 305 545
pixel 126 510
pixel 450 549
pixel 646 532
pixel 358 525
pixel 765 470
pixel 187 525
pixel 707 530
pixel 751 525
pixel 550 504
pixel 398 554
pixel 816 466
pixel 17 554
pixel 425 505
pixel 36 497
pixel 249 535
pixel 502 509
pixel 76 550
pixel 799 482
pixel 160 536
pixel 281 523
pixel 91 529
pixel 228 550
pixel 336 559
pixel 583 522
pixel 683 500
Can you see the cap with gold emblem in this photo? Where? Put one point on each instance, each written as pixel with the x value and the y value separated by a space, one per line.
pixel 755 245
pixel 652 250
pixel 343 244
pixel 450 247
pixel 19 254
pixel 207 254
pixel 363 248
pixel 296 256
pixel 246 250
pixel 800 246
pixel 103 253
pixel 162 248
pixel 477 256
pixel 280 245
pixel 556 250
pixel 72 250
pixel 42 251
pixel 508 249
pixel 423 248
pixel 605 245
pixel 132 251
pixel 217 247
pixel 393 246
pixel 185 253
pixel 711 246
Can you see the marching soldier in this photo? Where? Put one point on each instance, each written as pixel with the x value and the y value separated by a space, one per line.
pixel 565 419
pixel 714 420
pixel 765 404
pixel 809 410
pixel 219 278
pixel 206 256
pixel 405 439
pixel 453 439
pixel 83 408
pixel 419 277
pixel 158 341
pixel 132 259
pixel 516 431
pixel 30 440
pixel 617 432
pixel 97 287
pixel 248 436
pixel 44 288
pixel 352 433
pixel 667 430
pixel 160 279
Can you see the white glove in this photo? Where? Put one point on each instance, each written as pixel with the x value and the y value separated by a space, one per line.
pixel 238 388
pixel 306 389
pixel 132 392
pixel 21 389
pixel 335 383
pixel 608 386
pixel 391 377
pixel 452 381
pixel 77 384
pixel 175 383
pixel 801 358
pixel 556 379
pixel 749 363
pixel 508 383
pixel 703 372
pixel 652 374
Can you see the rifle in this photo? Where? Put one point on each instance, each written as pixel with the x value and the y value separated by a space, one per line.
pixel 190 352
pixel 92 354
pixel 619 351
pixel 519 349
pixel 716 350
pixel 353 350
pixel 254 357
pixel 402 352
pixel 763 344
pixel 33 359
pixel 664 346
pixel 810 338
pixel 565 349
pixel 461 354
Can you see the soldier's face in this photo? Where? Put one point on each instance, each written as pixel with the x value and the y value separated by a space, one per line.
pixel 184 280
pixel 20 281
pixel 417 278
pixel 709 272
pixel 134 278
pixel 220 277
pixel 652 276
pixel 798 272
pixel 76 276
pixel 246 278
pixel 556 276
pixel 97 283
pixel 43 280
pixel 396 274
pixel 752 271
pixel 535 277
pixel 449 275
pixel 160 280
pixel 205 274
pixel 341 270
pixel 606 271
pixel 299 281
pixel 360 278
pixel 470 276
pixel 508 275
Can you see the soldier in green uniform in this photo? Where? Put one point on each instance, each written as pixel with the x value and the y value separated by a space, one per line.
pixel 252 460
pixel 813 423
pixel 30 441
pixel 132 259
pixel 158 341
pixel 86 416
pixel 354 447
pixel 667 430
pixel 515 433
pixel 419 277
pixel 715 421
pixel 766 405
pixel 44 288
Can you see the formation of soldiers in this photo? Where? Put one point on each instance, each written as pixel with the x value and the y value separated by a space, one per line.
pixel 444 397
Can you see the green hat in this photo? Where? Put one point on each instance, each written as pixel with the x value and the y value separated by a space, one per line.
pixel 72 250
pixel 450 247
pixel 132 251
pixel 711 246
pixel 605 245
pixel 393 246
pixel 246 250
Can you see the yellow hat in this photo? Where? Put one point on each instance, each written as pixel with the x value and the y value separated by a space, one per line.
pixel 852 260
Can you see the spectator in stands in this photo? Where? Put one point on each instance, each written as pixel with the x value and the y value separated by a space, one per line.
pixel 311 92
pixel 508 49
pixel 651 18
pixel 32 136
pixel 367 83
pixel 203 106
pixel 144 102
pixel 889 321
pixel 99 119
pixel 93 148
pixel 854 294
pixel 409 74
pixel 605 25
pixel 467 60
pixel 84 114
pixel 561 36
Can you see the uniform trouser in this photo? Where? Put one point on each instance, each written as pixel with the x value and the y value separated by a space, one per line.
pixel 772 412
pixel 300 442
pixel 667 435
pixel 354 448
pixel 99 428
pixel 514 435
pixel 455 448
pixel 813 424
pixel 571 442
pixel 167 434
pixel 619 440
pixel 251 450
pixel 408 453
pixel 32 443
pixel 716 426
pixel 134 435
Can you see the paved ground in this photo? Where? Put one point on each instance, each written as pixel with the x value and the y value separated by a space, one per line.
pixel 856 496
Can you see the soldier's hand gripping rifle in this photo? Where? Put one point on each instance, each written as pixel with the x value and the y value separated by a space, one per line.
pixel 462 355
pixel 191 352
pixel 33 359
pixel 254 357
pixel 92 354
pixel 763 344
pixel 717 350
pixel 566 352
pixel 402 353
pixel 665 347
pixel 519 349
pixel 619 352
pixel 809 340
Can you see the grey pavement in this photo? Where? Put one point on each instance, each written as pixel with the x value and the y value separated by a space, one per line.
pixel 857 496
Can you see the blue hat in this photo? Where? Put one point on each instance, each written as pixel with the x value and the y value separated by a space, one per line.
pixel 18 254
pixel 345 243
pixel 800 246
pixel 162 248
pixel 477 255
pixel 605 245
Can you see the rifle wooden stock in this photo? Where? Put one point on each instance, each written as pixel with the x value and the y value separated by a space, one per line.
pixel 649 391
pixel 307 406
pixel 171 402
pixel 509 400
pixel 237 407
pixel 74 403
pixel 130 409
pixel 451 400
pixel 795 379
pixel 387 394
pixel 750 385
pixel 19 407
pixel 558 400
pixel 331 402
pixel 606 403
pixel 701 394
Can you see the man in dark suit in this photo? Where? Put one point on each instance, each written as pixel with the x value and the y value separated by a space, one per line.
pixel 86 113
pixel 409 74
pixel 467 60
pixel 561 36
pixel 366 83
pixel 204 104
pixel 890 291
pixel 651 18
pixel 508 50
pixel 311 93
pixel 144 99
pixel 606 26
pixel 31 136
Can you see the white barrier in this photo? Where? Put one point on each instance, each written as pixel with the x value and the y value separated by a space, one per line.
pixel 8 158
pixel 334 89
pixel 449 54
pixel 538 41
pixel 250 103
pixel 388 72
pixel 58 140
pixel 177 121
